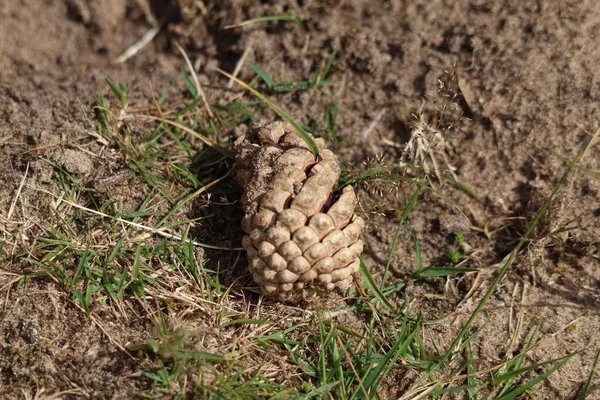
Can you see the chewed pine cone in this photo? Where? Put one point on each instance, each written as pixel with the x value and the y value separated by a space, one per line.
pixel 300 240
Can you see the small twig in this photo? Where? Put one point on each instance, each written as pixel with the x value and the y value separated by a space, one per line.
pixel 196 81
pixel 136 47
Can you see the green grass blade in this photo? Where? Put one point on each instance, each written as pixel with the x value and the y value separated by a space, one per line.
pixel 321 390
pixel 409 206
pixel 331 113
pixel 338 369
pixel 463 187
pixel 514 373
pixel 471 386
pixel 455 389
pixel 373 287
pixel 115 251
pixel 190 85
pixel 431 272
pixel 588 384
pixel 527 386
pixel 518 361
pixel 245 321
pixel 79 296
pixel 138 214
pixel 391 255
pixel 586 171
pixel 385 364
pixel 262 73
pixel 136 262
pixel 418 257
pixel 81 267
pixel 304 135
pixel 329 63
pixel 119 91
pixel 277 339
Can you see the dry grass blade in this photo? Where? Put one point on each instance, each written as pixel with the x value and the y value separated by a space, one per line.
pixel 17 194
pixel 196 81
pixel 240 64
pixel 136 225
pixel 43 147
pixel 305 136
pixel 267 18
pixel 192 132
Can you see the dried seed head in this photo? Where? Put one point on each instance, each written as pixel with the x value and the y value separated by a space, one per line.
pixel 301 241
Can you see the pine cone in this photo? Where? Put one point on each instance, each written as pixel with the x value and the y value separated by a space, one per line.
pixel 300 242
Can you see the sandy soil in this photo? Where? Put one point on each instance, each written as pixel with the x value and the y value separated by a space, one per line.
pixel 527 86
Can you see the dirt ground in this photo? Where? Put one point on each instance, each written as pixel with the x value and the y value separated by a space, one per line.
pixel 527 75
